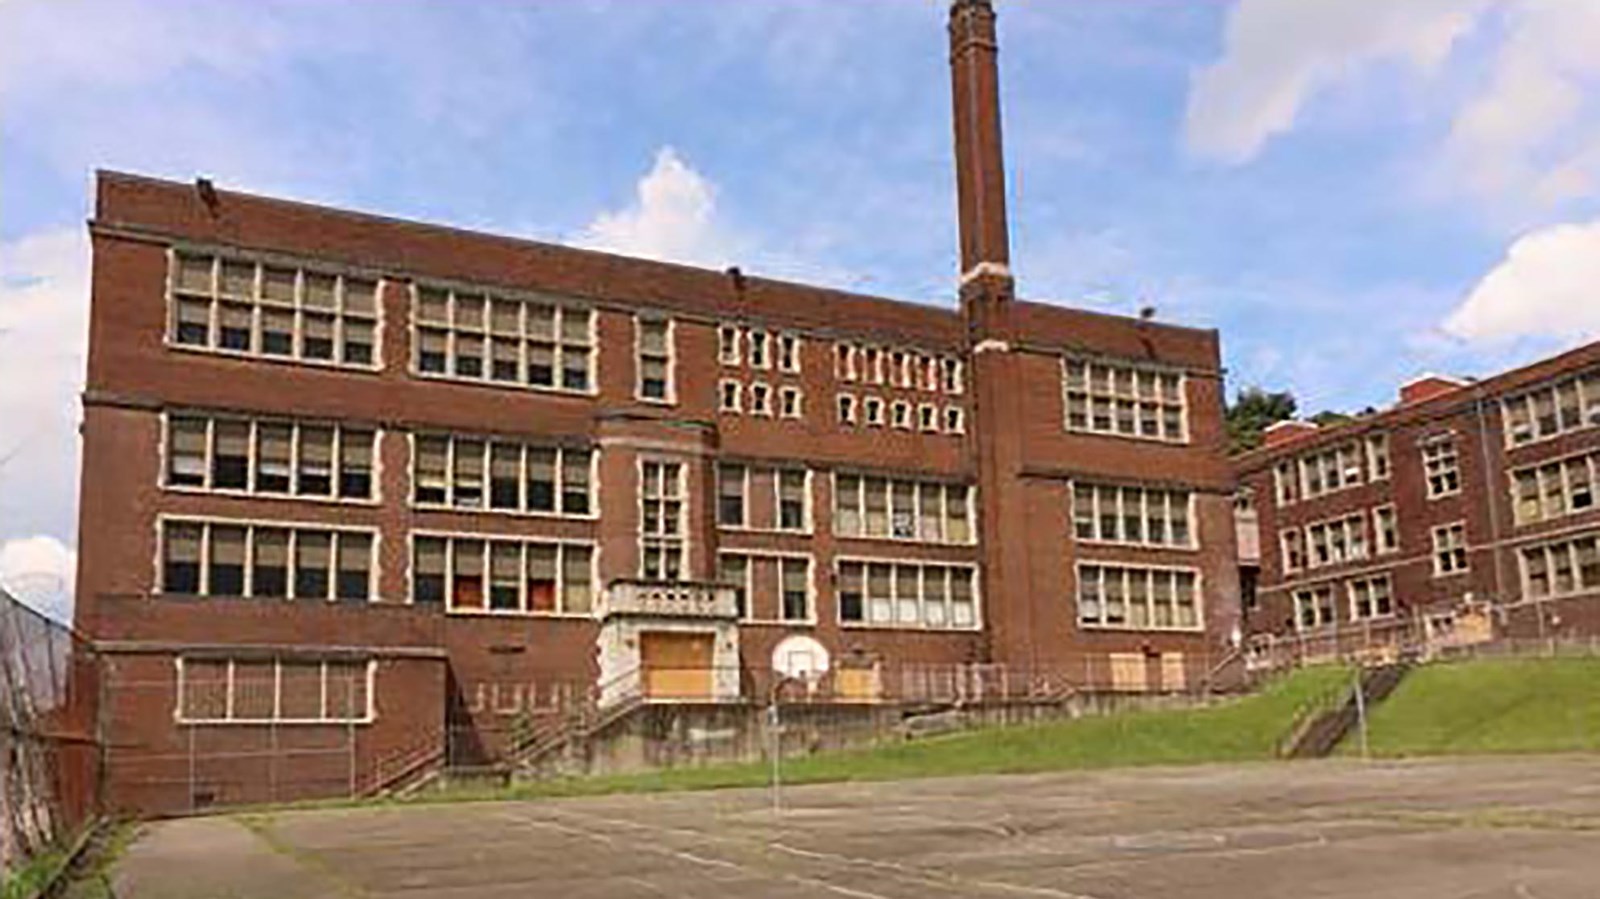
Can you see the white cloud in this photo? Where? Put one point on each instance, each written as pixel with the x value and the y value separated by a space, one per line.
pixel 1278 53
pixel 44 296
pixel 1545 287
pixel 40 571
pixel 672 217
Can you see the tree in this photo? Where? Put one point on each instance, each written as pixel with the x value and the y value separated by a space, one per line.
pixel 1253 411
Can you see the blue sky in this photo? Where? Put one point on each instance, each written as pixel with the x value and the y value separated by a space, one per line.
pixel 1353 192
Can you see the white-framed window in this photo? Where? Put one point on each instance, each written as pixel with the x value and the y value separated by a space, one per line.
pixel 1371 597
pixel 1130 597
pixel 656 360
pixel 765 498
pixel 1125 400
pixel 1147 516
pixel 872 409
pixel 955 420
pixel 1314 607
pixel 900 414
pixel 844 362
pixel 270 457
pixel 662 520
pixel 900 368
pixel 1450 549
pixel 454 471
pixel 1377 457
pixel 902 509
pixel 728 345
pixel 847 408
pixel 789 353
pixel 760 349
pixel 481 574
pixel 1441 467
pixel 1555 489
pixel 1551 409
pixel 907 594
pixel 254 690
pixel 243 307
pixel 790 402
pixel 1334 469
pixel 1561 567
pixel 1293 543
pixel 1286 482
pixel 928 418
pixel 951 376
pixel 729 395
pixel 1338 540
pixel 1386 529
pixel 507 341
pixel 775 587
pixel 761 399
pixel 267 560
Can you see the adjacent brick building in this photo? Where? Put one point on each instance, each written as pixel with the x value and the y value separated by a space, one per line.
pixel 355 477
pixel 1466 511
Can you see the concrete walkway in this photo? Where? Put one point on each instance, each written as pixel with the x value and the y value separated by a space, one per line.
pixel 216 858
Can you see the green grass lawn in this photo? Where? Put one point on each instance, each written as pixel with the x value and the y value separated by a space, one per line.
pixel 1242 729
pixel 1513 705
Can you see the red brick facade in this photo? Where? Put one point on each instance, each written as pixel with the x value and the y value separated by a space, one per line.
pixel 1009 445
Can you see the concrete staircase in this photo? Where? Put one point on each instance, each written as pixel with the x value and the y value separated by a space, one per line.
pixel 1320 733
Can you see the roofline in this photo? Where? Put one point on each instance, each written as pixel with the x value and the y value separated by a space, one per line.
pixel 1118 317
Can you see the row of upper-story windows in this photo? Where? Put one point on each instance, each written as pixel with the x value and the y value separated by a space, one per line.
pixel 1136 597
pixel 1143 516
pixel 271 457
pixel 204 557
pixel 759 348
pixel 1555 489
pixel 1367 598
pixel 757 497
pixel 1561 567
pixel 1551 409
pixel 505 340
pixel 901 509
pixel 247 308
pixel 1124 400
pixel 1347 538
pixel 902 368
pixel 736 398
pixel 1326 471
pixel 876 412
pixel 461 472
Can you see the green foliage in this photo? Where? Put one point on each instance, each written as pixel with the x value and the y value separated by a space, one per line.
pixel 1512 705
pixel 1253 411
pixel 26 881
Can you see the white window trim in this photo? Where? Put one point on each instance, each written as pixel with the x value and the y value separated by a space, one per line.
pixel 1343 522
pixel 671 338
pixel 683 540
pixel 522 540
pixel 1184 433
pixel 1591 459
pixel 1423 447
pixel 562 306
pixel 868 404
pixel 1199 597
pixel 723 406
pixel 254 423
pixel 955 420
pixel 730 353
pixel 812 593
pixel 1465 548
pixel 784 393
pixel 1588 409
pixel 1567 542
pixel 776 471
pixel 1191 545
pixel 916 511
pixel 1350 591
pixel 368 715
pixel 793 364
pixel 1333 606
pixel 896 625
pixel 208 522
pixel 489 441
pixel 1377 530
pixel 848 408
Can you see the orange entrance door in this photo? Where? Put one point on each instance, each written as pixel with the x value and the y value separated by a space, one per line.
pixel 676 666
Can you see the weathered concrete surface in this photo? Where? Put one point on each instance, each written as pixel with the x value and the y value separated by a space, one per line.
pixel 1524 828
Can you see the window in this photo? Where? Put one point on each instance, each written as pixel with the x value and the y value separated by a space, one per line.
pixel 950 376
pixel 760 399
pixel 924 511
pixel 501 575
pixel 907 595
pixel 271 311
pixel 789 353
pixel 282 691
pixel 847 409
pixel 1313 607
pixel 1450 549
pixel 1337 541
pixel 1139 515
pixel 1561 568
pixel 1138 598
pixel 459 472
pixel 901 414
pixel 844 362
pixel 1377 457
pixel 763 498
pixel 928 418
pixel 760 349
pixel 661 502
pixel 792 501
pixel 1386 528
pixel 795 581
pixel 1440 465
pixel 1566 405
pixel 728 345
pixel 1125 400
pixel 789 402
pixel 955 420
pixel 253 456
pixel 1294 549
pixel 1286 482
pixel 505 341
pixel 1555 489
pixel 1371 598
pixel 731 491
pixel 211 558
pixel 733 569
pixel 872 408
pixel 655 359
pixel 1327 471
pixel 872 361
pixel 729 395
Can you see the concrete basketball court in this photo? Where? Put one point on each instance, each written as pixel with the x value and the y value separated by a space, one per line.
pixel 1519 828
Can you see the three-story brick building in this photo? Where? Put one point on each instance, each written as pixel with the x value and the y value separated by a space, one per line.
pixel 354 477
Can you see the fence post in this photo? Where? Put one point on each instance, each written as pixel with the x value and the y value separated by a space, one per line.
pixel 1361 715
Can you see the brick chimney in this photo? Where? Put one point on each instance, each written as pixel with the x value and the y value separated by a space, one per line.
pixel 1287 431
pixel 1427 387
pixel 980 166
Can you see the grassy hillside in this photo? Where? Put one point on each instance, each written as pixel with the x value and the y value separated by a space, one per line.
pixel 1238 730
pixel 1514 705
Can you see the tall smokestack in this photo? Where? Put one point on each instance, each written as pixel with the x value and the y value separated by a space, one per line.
pixel 980 166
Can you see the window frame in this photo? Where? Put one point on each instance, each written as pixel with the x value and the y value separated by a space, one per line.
pixel 526 450
pixel 447 605
pixel 664 541
pixel 255 424
pixel 560 345
pixel 895 564
pixel 917 486
pixel 1192 544
pixel 252 526
pixel 813 594
pixel 1102 565
pixel 369 715
pixel 1137 374
pixel 1463 547
pixel 669 395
